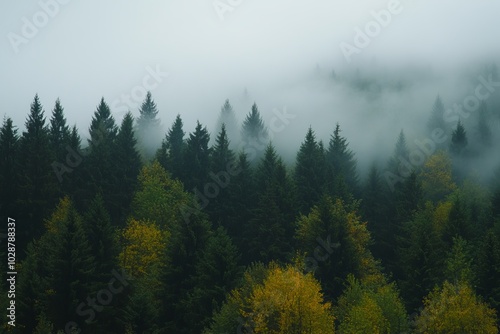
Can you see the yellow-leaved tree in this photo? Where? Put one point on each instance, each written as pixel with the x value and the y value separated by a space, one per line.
pixel 275 300
pixel 455 308
pixel 143 243
pixel 436 177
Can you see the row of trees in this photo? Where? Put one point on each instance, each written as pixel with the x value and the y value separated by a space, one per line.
pixel 206 238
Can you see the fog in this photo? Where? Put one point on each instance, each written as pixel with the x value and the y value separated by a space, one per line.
pixel 282 55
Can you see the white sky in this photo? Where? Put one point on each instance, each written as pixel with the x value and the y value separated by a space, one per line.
pixel 96 48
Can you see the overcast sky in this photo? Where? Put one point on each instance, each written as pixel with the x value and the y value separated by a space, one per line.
pixel 90 49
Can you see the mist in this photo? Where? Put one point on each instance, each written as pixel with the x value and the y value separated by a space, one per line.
pixel 281 55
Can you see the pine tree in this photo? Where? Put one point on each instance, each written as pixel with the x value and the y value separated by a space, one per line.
pixel 483 129
pixel 242 201
pixel 37 182
pixel 488 268
pixel 436 119
pixel 197 158
pixel 398 163
pixel 254 134
pixel 216 273
pixel 342 162
pixel 309 172
pixel 271 229
pixel 458 139
pixel 100 168
pixel 222 161
pixel 375 212
pixel 59 132
pixel 186 246
pixel 102 239
pixel 9 155
pixel 228 118
pixel 148 128
pixel 128 164
pixel 171 153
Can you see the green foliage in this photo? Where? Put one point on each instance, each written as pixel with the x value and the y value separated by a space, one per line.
pixel 171 153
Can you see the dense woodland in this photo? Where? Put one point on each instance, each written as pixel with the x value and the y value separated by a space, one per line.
pixel 215 233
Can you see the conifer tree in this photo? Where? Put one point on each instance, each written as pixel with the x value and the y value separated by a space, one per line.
pixel 342 162
pixel 59 132
pixel 148 128
pixel 436 120
pixel 197 158
pixel 228 118
pixel 9 155
pixel 309 172
pixel 128 164
pixel 254 134
pixel 38 184
pixel 483 128
pixel 458 139
pixel 222 161
pixel 171 153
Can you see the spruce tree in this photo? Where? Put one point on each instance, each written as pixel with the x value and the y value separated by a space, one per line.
pixel 128 164
pixel 100 168
pixel 197 159
pixel 309 172
pixel 222 162
pixel 483 128
pixel 254 134
pixel 148 128
pixel 436 120
pixel 38 184
pixel 342 163
pixel 171 153
pixel 458 139
pixel 59 132
pixel 228 118
pixel 9 164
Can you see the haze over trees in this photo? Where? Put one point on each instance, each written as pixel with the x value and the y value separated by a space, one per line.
pixel 125 228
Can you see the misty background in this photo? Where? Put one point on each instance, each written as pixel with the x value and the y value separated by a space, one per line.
pixel 278 54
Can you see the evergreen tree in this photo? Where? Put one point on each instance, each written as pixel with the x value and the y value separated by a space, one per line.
pixel 9 155
pixel 254 134
pixel 37 182
pixel 59 132
pixel 148 128
pixel 483 128
pixel 242 201
pixel 342 163
pixel 375 212
pixel 488 268
pixel 128 164
pixel 228 118
pixel 420 257
pixel 171 153
pixel 222 161
pixel 436 120
pixel 309 172
pixel 271 229
pixel 102 238
pixel 197 158
pixel 216 274
pixel 398 163
pixel 187 244
pixel 101 170
pixel 458 139
pixel 71 267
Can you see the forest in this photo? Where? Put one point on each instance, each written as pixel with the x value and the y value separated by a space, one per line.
pixel 221 232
